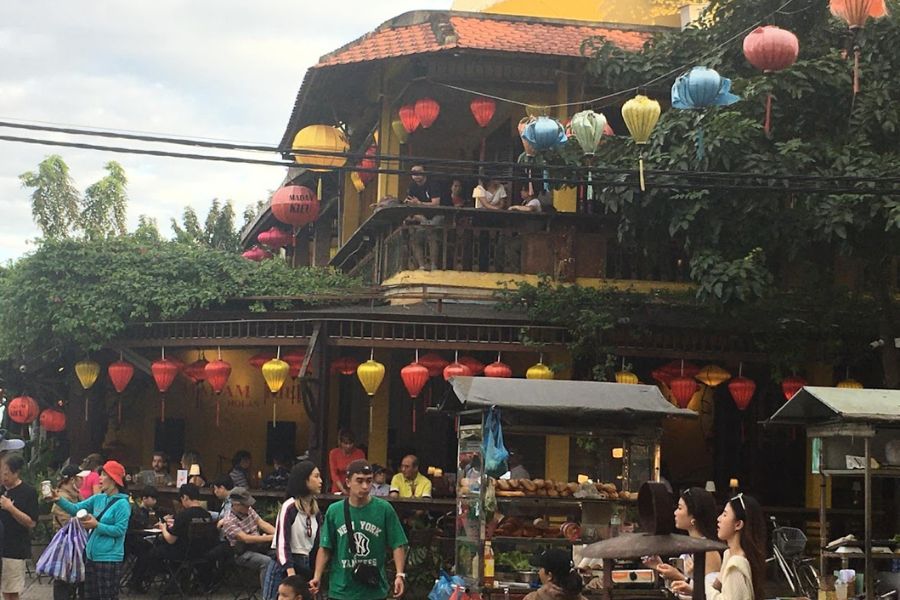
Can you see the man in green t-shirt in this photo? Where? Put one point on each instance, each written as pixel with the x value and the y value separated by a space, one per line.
pixel 375 529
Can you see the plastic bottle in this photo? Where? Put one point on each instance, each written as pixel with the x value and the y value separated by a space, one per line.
pixel 488 565
pixel 615 522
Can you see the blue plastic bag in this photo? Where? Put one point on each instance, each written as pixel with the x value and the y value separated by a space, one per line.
pixel 443 586
pixel 63 558
pixel 495 453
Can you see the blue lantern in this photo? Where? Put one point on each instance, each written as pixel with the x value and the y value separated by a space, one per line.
pixel 545 133
pixel 701 88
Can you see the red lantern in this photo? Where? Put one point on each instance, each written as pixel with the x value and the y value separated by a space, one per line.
pixel 23 410
pixel 435 363
pixel 662 376
pixel 791 385
pixel 120 373
pixel 456 369
pixel 196 371
pixel 683 389
pixel 217 373
pixel 857 12
pixel 414 376
pixel 409 118
pixel 295 205
pixel 53 420
pixel 483 110
pixel 258 360
pixel 474 365
pixel 368 162
pixel 742 389
pixel 164 372
pixel 677 368
pixel 256 254
pixel 771 49
pixel 345 365
pixel 427 111
pixel 275 238
pixel 294 359
pixel 497 369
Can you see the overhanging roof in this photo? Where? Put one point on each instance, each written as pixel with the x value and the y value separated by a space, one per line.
pixel 571 401
pixel 826 405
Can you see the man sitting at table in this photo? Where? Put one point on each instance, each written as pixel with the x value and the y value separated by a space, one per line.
pixel 247 533
pixel 409 483
pixel 158 473
pixel 221 487
pixel 143 514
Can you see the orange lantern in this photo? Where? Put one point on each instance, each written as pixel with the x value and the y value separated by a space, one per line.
pixel 456 369
pixel 345 365
pixel 741 390
pixel 120 373
pixel 414 377
pixel 791 385
pixel 23 410
pixel 683 389
pixel 295 205
pixel 408 118
pixel 164 372
pixel 435 363
pixel 498 369
pixel 474 365
pixel 427 111
pixel 856 13
pixel 217 374
pixel 53 420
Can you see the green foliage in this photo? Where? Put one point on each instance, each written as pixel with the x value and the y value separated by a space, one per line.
pixel 55 200
pixel 104 205
pixel 218 230
pixel 82 294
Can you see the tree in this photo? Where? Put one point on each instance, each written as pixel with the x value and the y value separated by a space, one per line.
pixel 218 230
pixel 104 205
pixel 55 200
pixel 147 230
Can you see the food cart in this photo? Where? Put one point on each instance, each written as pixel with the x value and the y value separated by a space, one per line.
pixel 853 430
pixel 523 516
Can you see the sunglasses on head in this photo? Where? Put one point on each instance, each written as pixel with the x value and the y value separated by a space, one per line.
pixel 741 498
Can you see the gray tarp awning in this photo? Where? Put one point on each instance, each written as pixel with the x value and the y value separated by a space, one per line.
pixel 575 401
pixel 824 405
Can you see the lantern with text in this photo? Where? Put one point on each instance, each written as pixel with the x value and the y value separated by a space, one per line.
pixel 427 111
pixel 275 237
pixel 345 365
pixel 53 420
pixel 626 377
pixel 856 13
pixel 164 372
pixel 294 359
pixel 23 410
pixel 741 390
pixel 683 389
pixel 408 118
pixel 641 115
pixel 87 372
pixel 435 363
pixel 414 377
pixel 474 365
pixel 256 254
pixel 217 373
pixel 498 369
pixel 712 376
pixel 275 372
pixel 791 385
pixel 483 110
pixel 771 49
pixel 120 373
pixel 295 205
pixel 330 141
pixel 539 371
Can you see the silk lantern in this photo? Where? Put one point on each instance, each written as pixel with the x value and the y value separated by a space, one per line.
pixel 791 385
pixel 370 374
pixel 329 140
pixel 345 365
pixel 427 111
pixel 544 133
pixel 408 118
pixel 414 376
pixel 369 162
pixel 358 184
pixel 295 205
pixel 256 254
pixel 258 360
pixel 217 374
pixel 539 371
pixel 588 128
pixel 275 372
pixel 676 368
pixel 850 384
pixel 530 150
pixel 856 13
pixel 87 372
pixel 483 110
pixel 435 363
pixel 164 372
pixel 474 365
pixel 53 420
pixel 294 359
pixel 120 373
pixel 498 369
pixel 662 375
pixel 456 369
pixel 399 130
pixel 741 390
pixel 626 377
pixel 641 115
pixel 698 89
pixel 275 237
pixel 683 389
pixel 23 410
pixel 712 376
pixel 771 49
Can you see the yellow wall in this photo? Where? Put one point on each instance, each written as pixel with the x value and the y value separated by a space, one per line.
pixel 636 12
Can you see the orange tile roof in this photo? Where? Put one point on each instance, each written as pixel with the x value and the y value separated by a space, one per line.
pixel 481 32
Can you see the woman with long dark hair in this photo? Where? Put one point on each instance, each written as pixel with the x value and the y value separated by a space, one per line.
pixel 296 528
pixel 742 577
pixel 559 578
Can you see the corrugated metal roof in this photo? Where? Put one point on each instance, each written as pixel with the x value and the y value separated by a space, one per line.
pixel 822 405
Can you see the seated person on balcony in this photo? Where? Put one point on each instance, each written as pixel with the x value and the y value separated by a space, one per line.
pixel 247 533
pixel 457 196
pixel 409 483
pixel 380 488
pixel 422 191
pixel 490 195
pixel 340 458
pixel 240 469
pixel 278 478
pixel 158 473
pixel 529 201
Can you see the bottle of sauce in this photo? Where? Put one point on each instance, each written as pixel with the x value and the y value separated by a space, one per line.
pixel 488 565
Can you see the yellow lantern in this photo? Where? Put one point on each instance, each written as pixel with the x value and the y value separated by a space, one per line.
pixel 712 375
pixel 536 110
pixel 87 372
pixel 641 115
pixel 626 377
pixel 358 184
pixel 850 384
pixel 275 372
pixel 324 138
pixel 399 130
pixel 371 374
pixel 539 371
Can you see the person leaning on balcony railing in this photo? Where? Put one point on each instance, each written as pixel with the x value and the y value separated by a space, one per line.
pixel 423 191
pixel 529 201
pixel 490 194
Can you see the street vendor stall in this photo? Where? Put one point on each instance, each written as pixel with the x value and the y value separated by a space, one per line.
pixel 855 433
pixel 507 517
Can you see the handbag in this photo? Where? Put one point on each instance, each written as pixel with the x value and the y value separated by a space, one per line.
pixel 365 574
pixel 63 558
pixel 495 453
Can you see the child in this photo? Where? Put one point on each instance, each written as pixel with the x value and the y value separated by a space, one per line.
pixel 294 587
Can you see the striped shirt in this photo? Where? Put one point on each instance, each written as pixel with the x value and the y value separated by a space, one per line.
pixel 233 524
pixel 295 533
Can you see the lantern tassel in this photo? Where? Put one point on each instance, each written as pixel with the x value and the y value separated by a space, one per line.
pixel 87 407
pixel 414 415
pixel 274 410
pixel 481 151
pixel 590 187
pixel 701 151
pixel 855 70
pixel 119 410
pixel 530 184
pixel 767 124
pixel 217 410
pixel 162 409
pixel 641 173
pixel 371 416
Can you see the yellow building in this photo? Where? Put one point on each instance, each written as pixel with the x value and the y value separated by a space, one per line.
pixel 631 12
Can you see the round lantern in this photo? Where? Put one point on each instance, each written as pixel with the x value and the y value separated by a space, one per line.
pixel 295 205
pixel 456 369
pixel 408 118
pixel 791 385
pixel 427 111
pixel 588 128
pixel 371 374
pixel 258 360
pixel 641 115
pixel 544 133
pixel 120 373
pixel 539 371
pixel 53 420
pixel 256 254
pixel 712 376
pixel 741 390
pixel 850 384
pixel 771 49
pixel 626 377
pixel 857 12
pixel 683 389
pixel 87 372
pixel 530 150
pixel 483 110
pixel 345 365
pixel 435 363
pixel 23 410
pixel 323 138
pixel 294 359
pixel 414 376
pixel 399 130
pixel 498 369
pixel 164 372
pixel 275 237
pixel 474 365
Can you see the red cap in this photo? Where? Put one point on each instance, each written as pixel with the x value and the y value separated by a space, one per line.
pixel 116 472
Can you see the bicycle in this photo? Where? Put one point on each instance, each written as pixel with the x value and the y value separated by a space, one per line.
pixel 788 547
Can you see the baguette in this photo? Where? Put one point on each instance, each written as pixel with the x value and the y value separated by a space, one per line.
pixel 542 492
pixel 572 487
pixel 561 486
pixel 529 485
pixel 553 493
pixel 549 484
pixel 503 485
pixel 511 493
pixel 515 484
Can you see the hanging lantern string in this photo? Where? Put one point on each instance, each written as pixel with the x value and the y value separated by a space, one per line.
pixel 633 89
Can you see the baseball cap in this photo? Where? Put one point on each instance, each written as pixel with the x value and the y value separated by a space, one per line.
pixel 116 471
pixel 69 471
pixel 241 496
pixel 359 466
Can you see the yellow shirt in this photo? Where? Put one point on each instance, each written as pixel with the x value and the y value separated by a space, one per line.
pixel 420 487
pixel 736 578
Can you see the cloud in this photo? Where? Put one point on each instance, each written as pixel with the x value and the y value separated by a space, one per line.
pixel 226 69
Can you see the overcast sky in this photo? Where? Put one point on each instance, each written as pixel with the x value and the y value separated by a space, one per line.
pixel 227 69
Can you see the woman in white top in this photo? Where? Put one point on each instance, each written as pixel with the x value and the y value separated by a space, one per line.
pixel 494 196
pixel 296 528
pixel 742 526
